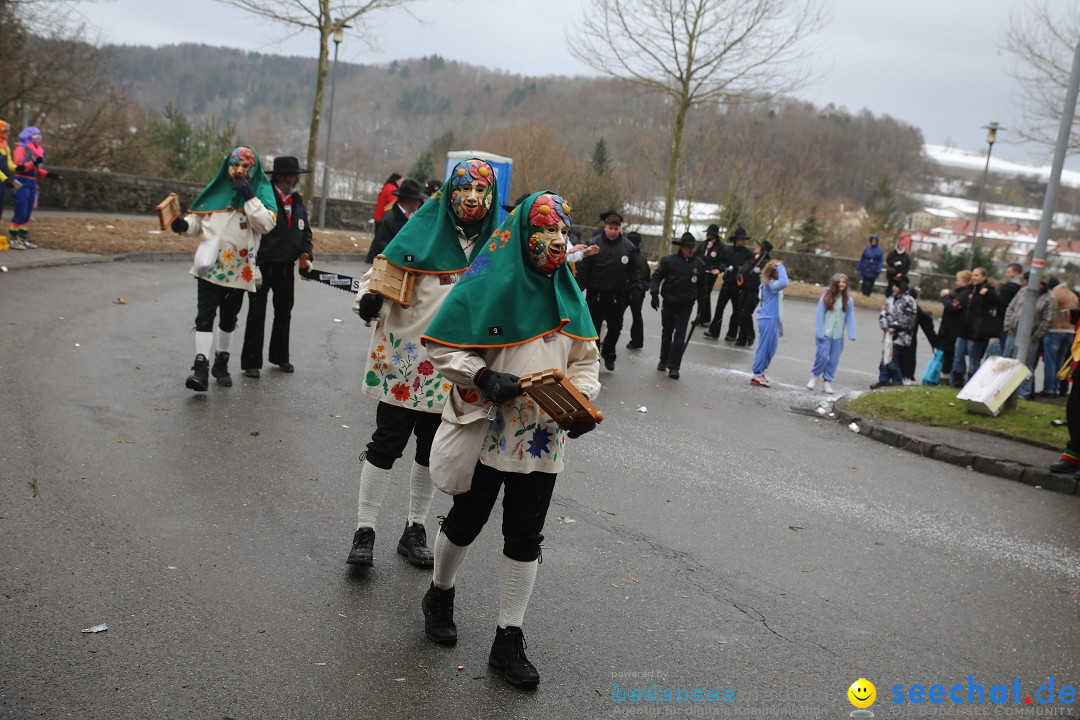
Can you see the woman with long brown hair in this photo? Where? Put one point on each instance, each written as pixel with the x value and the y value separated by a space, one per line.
pixel 835 312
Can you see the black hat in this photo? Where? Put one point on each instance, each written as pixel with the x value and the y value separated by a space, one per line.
pixel 605 215
pixel 287 165
pixel 765 244
pixel 686 239
pixel 635 237
pixel 521 199
pixel 713 229
pixel 408 190
pixel 739 234
pixel 432 187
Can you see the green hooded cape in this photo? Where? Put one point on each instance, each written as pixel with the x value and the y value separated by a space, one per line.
pixel 428 242
pixel 503 299
pixel 219 195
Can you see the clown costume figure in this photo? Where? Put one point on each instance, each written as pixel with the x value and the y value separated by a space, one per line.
pixel 516 310
pixel 436 245
pixel 233 211
pixel 28 157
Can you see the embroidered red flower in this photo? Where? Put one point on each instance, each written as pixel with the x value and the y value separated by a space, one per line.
pixel 401 392
pixel 243 253
pixel 416 384
pixel 425 368
pixel 246 273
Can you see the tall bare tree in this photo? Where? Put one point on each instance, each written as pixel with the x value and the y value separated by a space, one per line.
pixel 696 52
pixel 326 17
pixel 1042 43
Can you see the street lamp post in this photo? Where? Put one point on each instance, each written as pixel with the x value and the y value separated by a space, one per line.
pixel 339 35
pixel 991 136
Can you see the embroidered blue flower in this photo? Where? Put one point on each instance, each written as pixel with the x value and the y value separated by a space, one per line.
pixel 410 348
pixel 539 443
pixel 498 424
pixel 478 265
pixel 502 443
pixel 398 360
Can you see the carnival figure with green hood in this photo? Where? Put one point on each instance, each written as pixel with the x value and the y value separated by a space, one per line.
pixel 230 216
pixel 436 244
pixel 517 310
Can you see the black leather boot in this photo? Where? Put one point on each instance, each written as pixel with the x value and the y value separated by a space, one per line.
pixel 413 545
pixel 363 542
pixel 438 607
pixel 221 369
pixel 199 379
pixel 508 655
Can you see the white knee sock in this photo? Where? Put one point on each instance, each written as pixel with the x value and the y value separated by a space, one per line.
pixel 204 343
pixel 448 558
pixel 421 493
pixel 373 484
pixel 516 581
pixel 224 339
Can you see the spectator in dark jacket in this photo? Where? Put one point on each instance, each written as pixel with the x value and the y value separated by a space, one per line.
pixel 278 250
pixel 979 325
pixel 1006 292
pixel 409 200
pixel 680 279
pixel 869 266
pixel 952 318
pixel 637 296
pixel 606 278
pixel 898 263
pixel 749 282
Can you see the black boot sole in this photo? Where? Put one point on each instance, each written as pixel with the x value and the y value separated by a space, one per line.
pixel 440 640
pixel 524 684
pixel 414 560
pixel 361 560
pixel 225 381
pixel 193 384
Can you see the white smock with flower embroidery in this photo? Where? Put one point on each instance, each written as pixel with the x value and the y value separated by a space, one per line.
pixel 397 370
pixel 520 438
pixel 241 233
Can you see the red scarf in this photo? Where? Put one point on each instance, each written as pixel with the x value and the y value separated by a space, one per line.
pixel 286 202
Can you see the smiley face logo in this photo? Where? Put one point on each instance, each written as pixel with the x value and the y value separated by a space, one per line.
pixel 862 693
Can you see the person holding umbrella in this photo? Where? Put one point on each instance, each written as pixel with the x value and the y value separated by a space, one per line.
pixel 680 279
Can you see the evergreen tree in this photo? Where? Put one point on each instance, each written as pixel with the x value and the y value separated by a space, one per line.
pixel 884 214
pixel 601 163
pixel 950 263
pixel 810 234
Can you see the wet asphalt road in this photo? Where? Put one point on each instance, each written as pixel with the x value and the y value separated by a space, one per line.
pixel 718 540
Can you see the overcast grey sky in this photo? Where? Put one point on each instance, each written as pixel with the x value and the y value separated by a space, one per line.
pixel 933 63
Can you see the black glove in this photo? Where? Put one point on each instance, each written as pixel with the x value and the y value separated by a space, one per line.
pixel 54 176
pixel 20 169
pixel 499 387
pixel 179 226
pixel 370 304
pixel 39 161
pixel 580 428
pixel 655 302
pixel 241 185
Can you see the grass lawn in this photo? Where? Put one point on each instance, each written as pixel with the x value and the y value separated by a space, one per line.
pixel 931 406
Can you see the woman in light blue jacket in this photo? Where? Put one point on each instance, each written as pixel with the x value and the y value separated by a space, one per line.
pixel 770 319
pixel 835 312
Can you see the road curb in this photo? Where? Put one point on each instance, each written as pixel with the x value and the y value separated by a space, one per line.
pixel 878 430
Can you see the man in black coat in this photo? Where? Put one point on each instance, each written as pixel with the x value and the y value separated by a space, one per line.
pixel 279 249
pixel 409 200
pixel 898 263
pixel 734 258
pixel 680 278
pixel 606 279
pixel 749 281
pixel 712 252
pixel 637 296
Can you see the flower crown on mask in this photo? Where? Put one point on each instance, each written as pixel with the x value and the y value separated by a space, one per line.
pixel 469 171
pixel 549 209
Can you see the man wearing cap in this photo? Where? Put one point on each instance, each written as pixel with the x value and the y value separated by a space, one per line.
pixel 733 258
pixel 409 200
pixel 713 254
pixel 681 280
pixel 606 279
pixel 869 266
pixel 278 250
